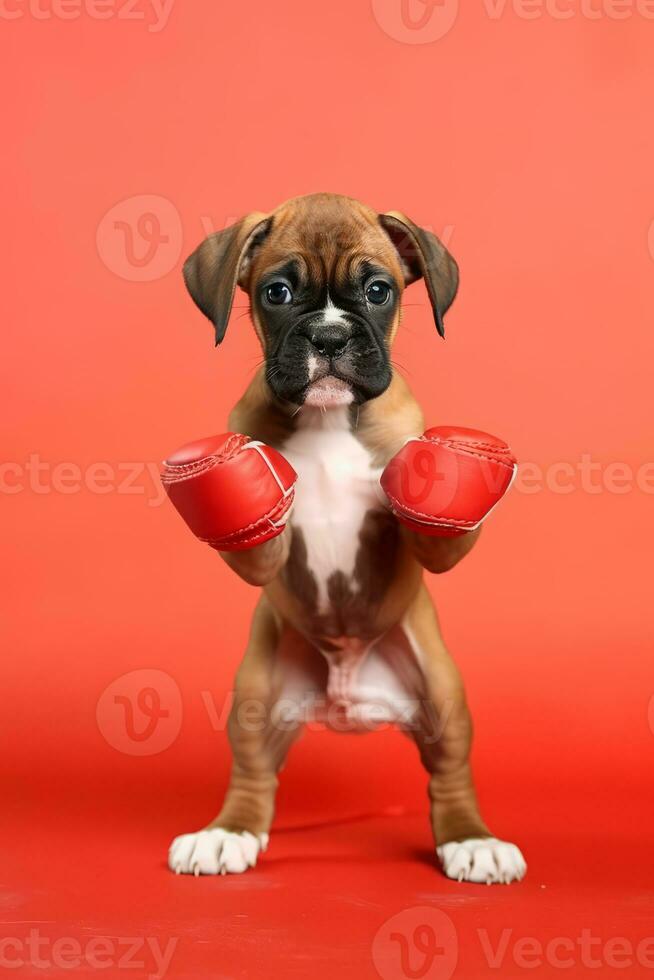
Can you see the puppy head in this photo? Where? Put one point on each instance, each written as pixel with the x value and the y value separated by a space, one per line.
pixel 325 275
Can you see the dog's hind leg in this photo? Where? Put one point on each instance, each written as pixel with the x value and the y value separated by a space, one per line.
pixel 442 730
pixel 260 738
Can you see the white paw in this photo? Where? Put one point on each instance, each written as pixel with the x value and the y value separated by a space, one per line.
pixel 482 859
pixel 215 852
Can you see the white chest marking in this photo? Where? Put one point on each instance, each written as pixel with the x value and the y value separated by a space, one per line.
pixel 337 485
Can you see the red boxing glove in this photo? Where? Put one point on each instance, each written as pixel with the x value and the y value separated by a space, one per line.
pixel 446 482
pixel 232 491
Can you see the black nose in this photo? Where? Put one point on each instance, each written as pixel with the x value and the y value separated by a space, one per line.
pixel 329 341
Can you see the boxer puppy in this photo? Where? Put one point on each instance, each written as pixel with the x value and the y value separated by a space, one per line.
pixel 345 630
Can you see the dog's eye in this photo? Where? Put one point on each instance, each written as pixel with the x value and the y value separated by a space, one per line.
pixel 278 293
pixel 378 292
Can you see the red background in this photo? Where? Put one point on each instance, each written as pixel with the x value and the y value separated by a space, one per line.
pixel 527 145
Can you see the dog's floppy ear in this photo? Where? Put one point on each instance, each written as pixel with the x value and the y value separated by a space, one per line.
pixel 221 262
pixel 423 255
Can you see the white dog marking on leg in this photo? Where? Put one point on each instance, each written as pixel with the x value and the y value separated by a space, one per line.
pixel 482 860
pixel 216 851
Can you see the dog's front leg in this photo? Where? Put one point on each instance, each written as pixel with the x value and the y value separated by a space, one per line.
pixel 442 486
pixel 259 741
pixel 442 731
pixel 440 554
pixel 236 494
pixel 261 564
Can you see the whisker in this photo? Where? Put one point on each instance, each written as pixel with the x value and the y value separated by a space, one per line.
pixel 401 368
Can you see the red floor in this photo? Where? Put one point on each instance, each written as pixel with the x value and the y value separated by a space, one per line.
pixel 348 900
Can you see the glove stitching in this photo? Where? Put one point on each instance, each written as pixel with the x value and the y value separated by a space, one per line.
pixel 480 445
pixel 489 459
pixel 242 535
pixel 404 510
pixel 184 471
pixel 493 453
pixel 176 472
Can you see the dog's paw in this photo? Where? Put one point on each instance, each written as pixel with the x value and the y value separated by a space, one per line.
pixel 215 852
pixel 483 860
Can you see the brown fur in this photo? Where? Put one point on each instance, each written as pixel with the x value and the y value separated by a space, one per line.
pixel 348 233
